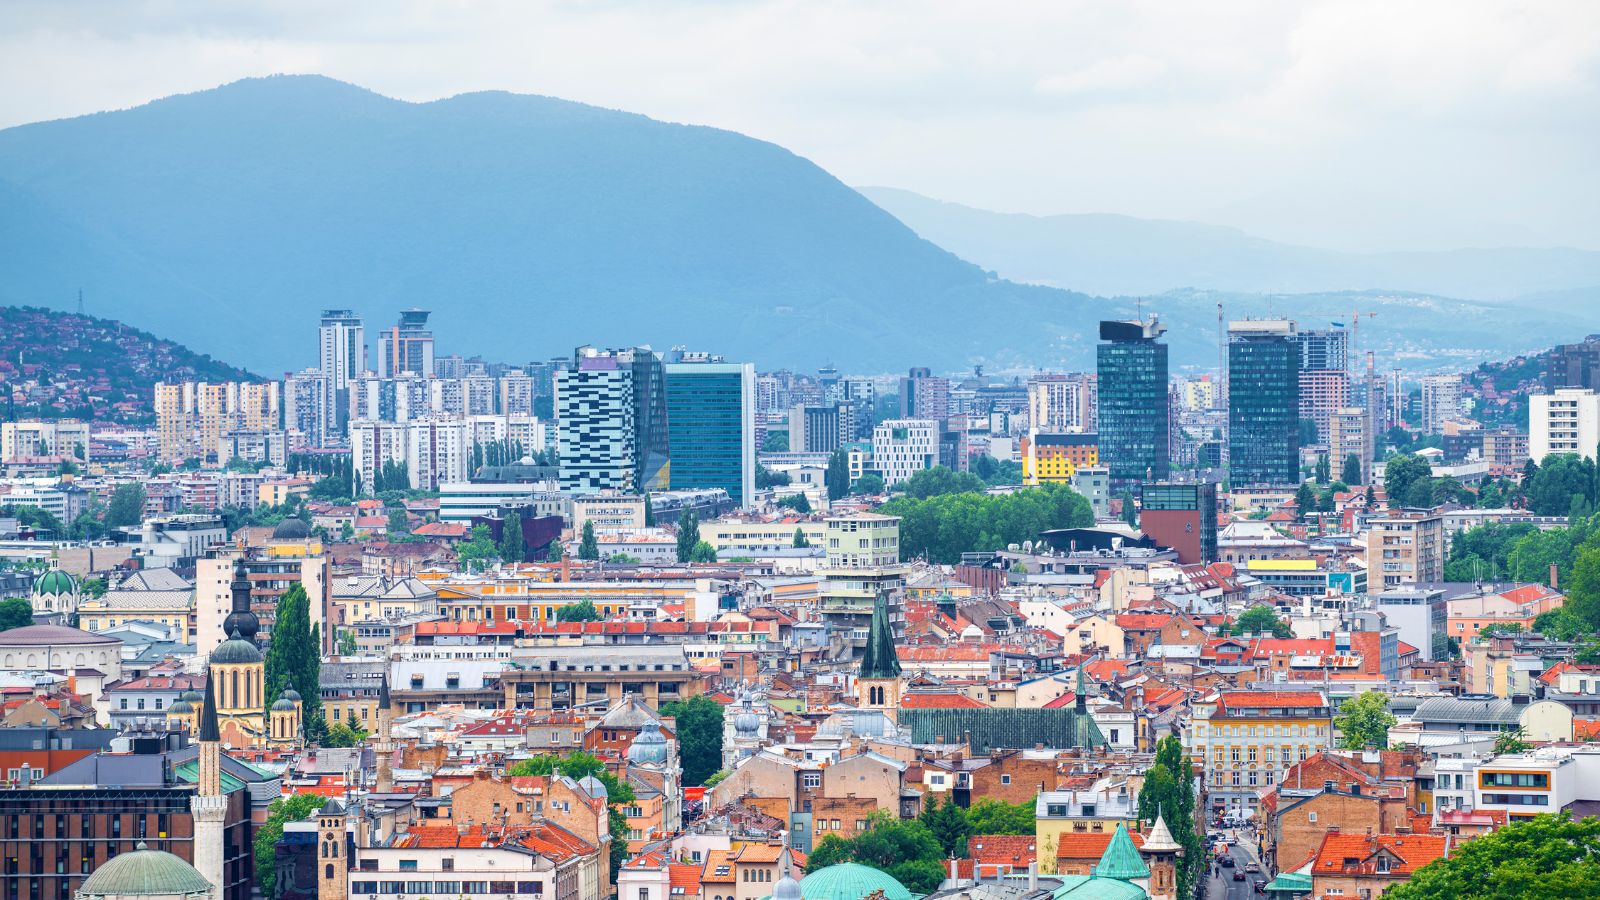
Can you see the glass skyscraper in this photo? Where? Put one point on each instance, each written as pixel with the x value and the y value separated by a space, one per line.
pixel 711 427
pixel 1133 415
pixel 1263 403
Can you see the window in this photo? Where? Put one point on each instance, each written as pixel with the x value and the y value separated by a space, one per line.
pixel 1006 779
pixel 408 865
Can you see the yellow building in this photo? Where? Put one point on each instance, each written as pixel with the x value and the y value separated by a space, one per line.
pixel 1055 458
pixel 1098 810
pixel 1243 741
pixel 734 535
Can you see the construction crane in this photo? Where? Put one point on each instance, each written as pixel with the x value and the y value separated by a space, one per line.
pixel 1355 326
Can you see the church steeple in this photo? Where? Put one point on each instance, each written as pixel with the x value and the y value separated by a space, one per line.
pixel 1082 702
pixel 878 681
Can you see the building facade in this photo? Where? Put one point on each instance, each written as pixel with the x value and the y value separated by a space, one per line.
pixel 1566 421
pixel 1263 403
pixel 711 436
pixel 1133 415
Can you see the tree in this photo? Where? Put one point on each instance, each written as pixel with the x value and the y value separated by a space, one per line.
pixel 1511 740
pixel 703 552
pixel 343 735
pixel 15 613
pixel 869 484
pixel 294 656
pixel 1364 720
pixel 399 527
pixel 1545 856
pixel 1129 509
pixel 1323 470
pixel 126 508
pixel 991 816
pixel 293 808
pixel 589 546
pixel 837 476
pixel 347 642
pixel 582 611
pixel 800 540
pixel 1401 472
pixel 1168 790
pixel 906 850
pixel 1559 624
pixel 796 502
pixel 511 548
pixel 936 480
pixel 688 535
pixel 948 824
pixel 775 442
pixel 943 527
pixel 94 588
pixel 1305 499
pixel 699 731
pixel 477 549
pixel 1262 620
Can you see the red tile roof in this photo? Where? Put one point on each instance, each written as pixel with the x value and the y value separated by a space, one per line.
pixel 1269 699
pixel 1089 845
pixel 1002 849
pixel 939 701
pixel 1356 854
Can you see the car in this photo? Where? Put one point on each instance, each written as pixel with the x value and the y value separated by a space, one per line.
pixel 1226 862
pixel 1261 886
pixel 1238 875
pixel 1252 868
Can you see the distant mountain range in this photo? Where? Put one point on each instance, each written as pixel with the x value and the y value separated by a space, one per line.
pixel 1115 255
pixel 229 218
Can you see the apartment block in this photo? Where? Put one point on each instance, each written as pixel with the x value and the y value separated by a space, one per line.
pixel 1566 421
pixel 1406 548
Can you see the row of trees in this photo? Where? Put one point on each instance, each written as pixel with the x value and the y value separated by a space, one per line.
pixel 944 526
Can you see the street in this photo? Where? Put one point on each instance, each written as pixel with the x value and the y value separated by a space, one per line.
pixel 1219 882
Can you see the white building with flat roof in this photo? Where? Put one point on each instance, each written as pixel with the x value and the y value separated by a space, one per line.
pixel 1567 421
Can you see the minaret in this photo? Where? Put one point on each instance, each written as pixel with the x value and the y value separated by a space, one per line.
pixel 878 682
pixel 208 805
pixel 332 863
pixel 383 747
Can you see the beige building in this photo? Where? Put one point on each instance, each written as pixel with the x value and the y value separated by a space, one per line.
pixel 1405 548
pixel 1348 436
pixel 757 536
pixel 608 512
pixel 156 595
pixel 33 438
pixel 863 564
pixel 191 416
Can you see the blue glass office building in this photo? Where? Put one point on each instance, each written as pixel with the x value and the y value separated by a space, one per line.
pixel 711 427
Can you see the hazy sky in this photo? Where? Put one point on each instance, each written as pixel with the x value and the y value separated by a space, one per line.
pixel 1390 124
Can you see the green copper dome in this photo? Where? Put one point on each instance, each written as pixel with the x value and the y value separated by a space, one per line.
pixel 54 581
pixel 851 881
pixel 144 873
pixel 236 650
pixel 1121 859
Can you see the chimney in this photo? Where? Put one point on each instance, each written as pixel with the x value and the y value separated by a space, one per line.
pixel 1033 876
pixel 1555 578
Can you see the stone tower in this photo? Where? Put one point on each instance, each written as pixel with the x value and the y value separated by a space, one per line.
pixel 878 682
pixel 1161 854
pixel 209 806
pixel 333 863
pixel 383 747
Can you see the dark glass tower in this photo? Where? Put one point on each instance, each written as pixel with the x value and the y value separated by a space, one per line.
pixel 1133 420
pixel 1263 403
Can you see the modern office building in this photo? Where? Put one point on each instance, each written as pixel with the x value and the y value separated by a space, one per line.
pixel 1133 416
pixel 407 347
pixel 1263 403
pixel 815 429
pixel 1567 421
pixel 341 358
pixel 612 411
pixel 903 447
pixel 1182 517
pixel 711 436
pixel 1326 350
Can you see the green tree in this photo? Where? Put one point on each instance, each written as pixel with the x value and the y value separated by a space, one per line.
pixel 1130 509
pixel 582 611
pixel 1401 472
pixel 95 588
pixel 943 527
pixel 293 808
pixel 991 816
pixel 1168 790
pixel 1511 740
pixel 589 546
pixel 1350 472
pixel 1324 469
pixel 1559 624
pixel 399 527
pixel 688 535
pixel 698 722
pixel 948 824
pixel 703 552
pixel 837 476
pixel 15 612
pixel 1262 620
pixel 800 540
pixel 903 848
pixel 126 508
pixel 511 549
pixel 1364 720
pixel 775 442
pixel 479 547
pixel 343 735
pixel 1545 856
pixel 294 656
pixel 868 485
pixel 796 502
pixel 347 642
pixel 1305 499
pixel 936 480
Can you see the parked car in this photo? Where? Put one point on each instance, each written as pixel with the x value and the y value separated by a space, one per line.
pixel 1226 862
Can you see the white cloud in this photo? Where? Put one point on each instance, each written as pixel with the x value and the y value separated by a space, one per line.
pixel 1347 122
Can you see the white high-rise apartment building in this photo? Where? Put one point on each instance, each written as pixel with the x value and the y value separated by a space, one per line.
pixel 1441 401
pixel 903 447
pixel 1567 421
pixel 305 409
pixel 341 357
pixel 1061 403
pixel 36 438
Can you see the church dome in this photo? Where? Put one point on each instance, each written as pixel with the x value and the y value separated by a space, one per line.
pixel 649 748
pixel 747 724
pixel 236 651
pixel 54 582
pixel 180 707
pixel 292 695
pixel 291 529
pixel 283 703
pixel 144 873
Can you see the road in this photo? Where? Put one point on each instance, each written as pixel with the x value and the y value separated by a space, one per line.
pixel 1221 886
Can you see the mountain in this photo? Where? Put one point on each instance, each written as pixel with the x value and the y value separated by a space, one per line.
pixel 1110 254
pixel 230 217
pixel 55 364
